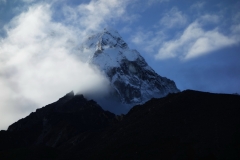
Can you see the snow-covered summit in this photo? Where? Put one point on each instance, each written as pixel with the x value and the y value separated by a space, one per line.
pixel 132 79
pixel 109 38
pixel 110 49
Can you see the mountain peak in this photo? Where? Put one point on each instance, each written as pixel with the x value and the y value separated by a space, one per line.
pixel 67 97
pixel 108 38
pixel 132 79
pixel 70 94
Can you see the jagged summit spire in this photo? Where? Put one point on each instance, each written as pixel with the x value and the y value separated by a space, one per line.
pixel 108 38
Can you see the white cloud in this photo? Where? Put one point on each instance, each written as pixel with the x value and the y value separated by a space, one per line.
pixel 174 18
pixel 39 57
pixel 95 14
pixel 205 34
pixel 140 37
pixel 151 40
pixel 148 40
pixel 194 42
pixel 208 42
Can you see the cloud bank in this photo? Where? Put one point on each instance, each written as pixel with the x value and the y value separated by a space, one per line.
pixel 39 58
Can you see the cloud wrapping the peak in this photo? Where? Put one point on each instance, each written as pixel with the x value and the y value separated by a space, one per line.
pixel 40 59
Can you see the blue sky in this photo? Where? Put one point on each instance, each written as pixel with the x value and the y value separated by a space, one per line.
pixel 195 43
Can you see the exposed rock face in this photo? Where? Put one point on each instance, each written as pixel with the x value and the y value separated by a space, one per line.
pixel 132 79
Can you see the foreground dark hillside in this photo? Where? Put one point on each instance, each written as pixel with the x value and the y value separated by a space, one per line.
pixel 185 125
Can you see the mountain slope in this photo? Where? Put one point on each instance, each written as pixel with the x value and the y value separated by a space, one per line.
pixel 184 125
pixel 131 78
pixel 58 122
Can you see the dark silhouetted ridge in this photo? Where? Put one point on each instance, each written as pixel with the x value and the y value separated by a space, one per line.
pixel 184 125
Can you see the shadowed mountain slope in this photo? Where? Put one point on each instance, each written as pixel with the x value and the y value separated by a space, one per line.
pixel 184 125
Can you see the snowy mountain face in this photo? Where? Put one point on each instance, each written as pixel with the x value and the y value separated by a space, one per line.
pixel 131 78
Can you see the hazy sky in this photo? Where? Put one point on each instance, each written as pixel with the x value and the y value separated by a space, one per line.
pixel 195 43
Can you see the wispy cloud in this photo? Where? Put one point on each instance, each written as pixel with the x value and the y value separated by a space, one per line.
pixel 194 42
pixel 151 40
pixel 173 18
pixel 94 15
pixel 188 38
pixel 148 40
